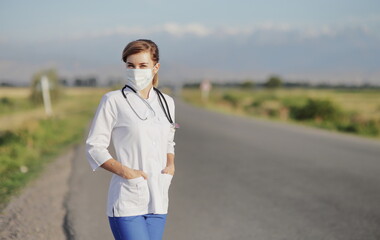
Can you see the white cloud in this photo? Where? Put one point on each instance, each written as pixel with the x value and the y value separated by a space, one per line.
pixel 200 30
pixel 173 29
pixel 309 32
pixel 270 26
pixel 180 30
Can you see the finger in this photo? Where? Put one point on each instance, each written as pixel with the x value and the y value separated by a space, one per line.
pixel 144 175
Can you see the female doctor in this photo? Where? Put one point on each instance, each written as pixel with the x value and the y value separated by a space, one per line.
pixel 139 120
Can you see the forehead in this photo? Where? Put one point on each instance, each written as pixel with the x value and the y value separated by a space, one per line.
pixel 142 57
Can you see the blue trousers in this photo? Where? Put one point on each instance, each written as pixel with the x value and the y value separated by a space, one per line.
pixel 141 227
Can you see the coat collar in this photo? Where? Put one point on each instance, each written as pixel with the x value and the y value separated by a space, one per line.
pixel 152 95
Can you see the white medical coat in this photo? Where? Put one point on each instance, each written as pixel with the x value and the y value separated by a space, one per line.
pixel 139 144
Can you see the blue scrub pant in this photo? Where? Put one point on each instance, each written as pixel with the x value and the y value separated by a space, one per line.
pixel 141 227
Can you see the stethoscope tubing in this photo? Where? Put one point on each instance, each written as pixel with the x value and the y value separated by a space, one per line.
pixel 160 97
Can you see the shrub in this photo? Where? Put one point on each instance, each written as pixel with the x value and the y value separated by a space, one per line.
pixel 259 101
pixel 232 99
pixel 248 84
pixel 6 104
pixel 273 112
pixel 369 128
pixel 6 101
pixel 54 86
pixel 256 103
pixel 293 101
pixel 316 109
pixel 273 82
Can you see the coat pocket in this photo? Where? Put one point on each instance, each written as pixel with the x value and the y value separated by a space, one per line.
pixel 134 192
pixel 166 181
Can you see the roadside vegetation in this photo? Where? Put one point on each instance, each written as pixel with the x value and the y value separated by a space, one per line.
pixel 29 139
pixel 355 111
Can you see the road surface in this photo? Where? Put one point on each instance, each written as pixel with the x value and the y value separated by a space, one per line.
pixel 240 178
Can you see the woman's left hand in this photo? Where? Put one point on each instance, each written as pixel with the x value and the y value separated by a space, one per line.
pixel 169 170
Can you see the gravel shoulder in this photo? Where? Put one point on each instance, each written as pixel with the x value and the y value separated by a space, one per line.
pixel 38 212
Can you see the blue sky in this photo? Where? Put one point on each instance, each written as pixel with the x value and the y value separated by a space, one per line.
pixel 37 19
pixel 194 24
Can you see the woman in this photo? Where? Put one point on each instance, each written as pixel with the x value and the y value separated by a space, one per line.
pixel 139 120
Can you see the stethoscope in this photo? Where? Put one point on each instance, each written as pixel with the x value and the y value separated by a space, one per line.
pixel 160 97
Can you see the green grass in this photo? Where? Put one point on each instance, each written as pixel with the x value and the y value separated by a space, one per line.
pixel 25 151
pixel 352 111
pixel 14 104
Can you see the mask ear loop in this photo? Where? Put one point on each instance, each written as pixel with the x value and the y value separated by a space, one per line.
pixel 154 67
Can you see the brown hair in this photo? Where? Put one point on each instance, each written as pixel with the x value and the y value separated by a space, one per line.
pixel 143 45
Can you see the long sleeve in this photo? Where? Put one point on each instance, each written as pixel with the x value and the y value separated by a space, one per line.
pixel 171 143
pixel 99 135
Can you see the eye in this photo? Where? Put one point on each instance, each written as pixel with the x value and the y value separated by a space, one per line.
pixel 130 66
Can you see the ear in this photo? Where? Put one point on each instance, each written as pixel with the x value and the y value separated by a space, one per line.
pixel 156 68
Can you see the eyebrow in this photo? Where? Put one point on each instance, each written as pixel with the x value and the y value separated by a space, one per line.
pixel 138 63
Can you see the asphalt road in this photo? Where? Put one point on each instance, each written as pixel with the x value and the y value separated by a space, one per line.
pixel 239 178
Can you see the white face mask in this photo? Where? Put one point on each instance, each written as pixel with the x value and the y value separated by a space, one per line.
pixel 139 79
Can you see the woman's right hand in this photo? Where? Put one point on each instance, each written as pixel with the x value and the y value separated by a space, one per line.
pixel 130 173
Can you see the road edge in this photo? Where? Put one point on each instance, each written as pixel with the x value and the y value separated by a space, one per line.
pixel 39 211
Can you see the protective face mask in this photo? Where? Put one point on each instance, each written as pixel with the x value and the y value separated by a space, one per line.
pixel 139 78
